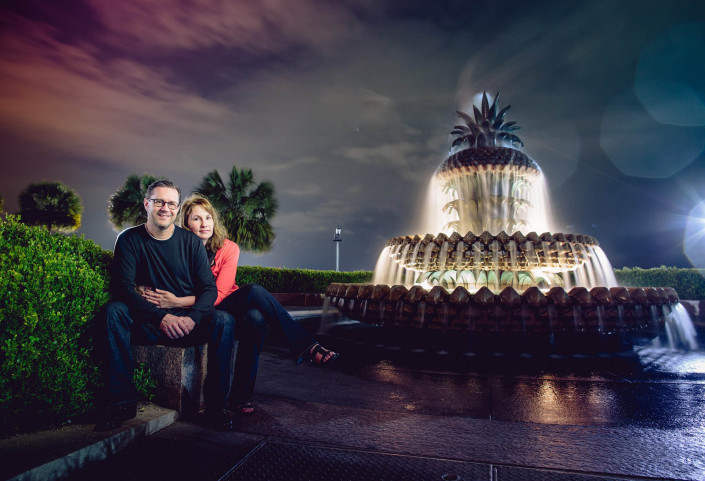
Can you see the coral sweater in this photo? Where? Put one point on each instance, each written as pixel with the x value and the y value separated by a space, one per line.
pixel 225 268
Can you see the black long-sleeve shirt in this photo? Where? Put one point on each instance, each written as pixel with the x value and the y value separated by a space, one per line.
pixel 178 265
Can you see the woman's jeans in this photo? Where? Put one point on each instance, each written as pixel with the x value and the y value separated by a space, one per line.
pixel 255 309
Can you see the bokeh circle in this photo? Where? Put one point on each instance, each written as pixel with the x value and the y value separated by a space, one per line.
pixel 694 240
pixel 670 77
pixel 640 146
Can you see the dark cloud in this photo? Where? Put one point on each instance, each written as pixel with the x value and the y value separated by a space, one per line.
pixel 346 107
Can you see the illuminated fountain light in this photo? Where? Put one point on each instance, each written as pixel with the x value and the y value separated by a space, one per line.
pixel 471 275
pixel 468 194
pixel 694 236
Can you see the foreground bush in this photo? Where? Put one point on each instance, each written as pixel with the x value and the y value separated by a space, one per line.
pixel 297 280
pixel 51 286
pixel 689 283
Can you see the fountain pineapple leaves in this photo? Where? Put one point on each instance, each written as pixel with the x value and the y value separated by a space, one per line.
pixel 487 128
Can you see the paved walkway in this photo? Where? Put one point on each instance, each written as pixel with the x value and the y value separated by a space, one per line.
pixel 388 413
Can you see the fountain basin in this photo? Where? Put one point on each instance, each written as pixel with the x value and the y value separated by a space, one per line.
pixel 577 316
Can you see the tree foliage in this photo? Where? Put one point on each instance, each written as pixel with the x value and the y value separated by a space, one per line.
pixel 51 204
pixel 245 207
pixel 125 206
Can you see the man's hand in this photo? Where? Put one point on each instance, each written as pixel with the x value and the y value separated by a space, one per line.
pixel 176 327
pixel 164 299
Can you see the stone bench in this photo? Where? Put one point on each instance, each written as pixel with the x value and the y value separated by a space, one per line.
pixel 179 372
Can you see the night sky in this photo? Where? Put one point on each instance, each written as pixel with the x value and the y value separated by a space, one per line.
pixel 346 107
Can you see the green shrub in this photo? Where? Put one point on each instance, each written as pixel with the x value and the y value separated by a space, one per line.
pixel 689 283
pixel 145 383
pixel 297 280
pixel 51 286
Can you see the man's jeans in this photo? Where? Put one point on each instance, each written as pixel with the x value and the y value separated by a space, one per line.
pixel 217 330
pixel 254 310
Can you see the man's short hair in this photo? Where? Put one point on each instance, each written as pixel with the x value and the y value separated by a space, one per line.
pixel 162 183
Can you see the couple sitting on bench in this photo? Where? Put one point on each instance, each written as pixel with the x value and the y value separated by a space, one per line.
pixel 175 288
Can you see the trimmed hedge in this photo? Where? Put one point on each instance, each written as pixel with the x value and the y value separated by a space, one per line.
pixel 297 280
pixel 689 283
pixel 51 286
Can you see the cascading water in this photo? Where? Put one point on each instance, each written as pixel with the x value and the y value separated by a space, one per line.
pixel 484 268
pixel 492 192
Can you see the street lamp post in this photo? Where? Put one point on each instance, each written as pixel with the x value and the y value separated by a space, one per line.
pixel 337 239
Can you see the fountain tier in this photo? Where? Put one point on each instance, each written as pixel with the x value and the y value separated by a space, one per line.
pixel 491 191
pixel 492 261
pixel 487 189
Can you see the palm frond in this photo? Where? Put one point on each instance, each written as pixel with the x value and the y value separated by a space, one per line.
pixel 125 205
pixel 245 207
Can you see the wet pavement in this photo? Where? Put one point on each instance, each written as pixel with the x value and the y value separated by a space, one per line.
pixel 637 414
pixel 641 388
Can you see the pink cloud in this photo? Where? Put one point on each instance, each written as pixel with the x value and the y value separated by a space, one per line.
pixel 66 96
pixel 268 26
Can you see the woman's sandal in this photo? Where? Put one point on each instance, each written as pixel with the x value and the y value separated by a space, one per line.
pixel 320 356
pixel 246 409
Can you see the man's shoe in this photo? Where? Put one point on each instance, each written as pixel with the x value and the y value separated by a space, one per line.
pixel 220 419
pixel 116 414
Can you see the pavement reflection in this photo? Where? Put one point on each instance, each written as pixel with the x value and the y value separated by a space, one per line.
pixel 647 386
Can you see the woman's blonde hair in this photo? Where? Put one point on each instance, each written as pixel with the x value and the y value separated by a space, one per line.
pixel 219 233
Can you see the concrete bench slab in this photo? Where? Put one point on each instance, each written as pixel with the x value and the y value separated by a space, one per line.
pixel 179 372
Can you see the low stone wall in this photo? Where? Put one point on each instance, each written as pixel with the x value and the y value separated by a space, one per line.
pixel 299 299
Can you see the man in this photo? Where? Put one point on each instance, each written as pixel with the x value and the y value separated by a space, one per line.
pixel 160 255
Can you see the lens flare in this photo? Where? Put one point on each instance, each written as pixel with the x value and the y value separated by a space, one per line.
pixel 694 239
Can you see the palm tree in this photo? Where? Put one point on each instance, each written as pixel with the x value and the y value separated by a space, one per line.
pixel 244 207
pixel 125 206
pixel 51 204
pixel 487 127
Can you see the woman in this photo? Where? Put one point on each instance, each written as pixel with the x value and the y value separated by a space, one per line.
pixel 252 306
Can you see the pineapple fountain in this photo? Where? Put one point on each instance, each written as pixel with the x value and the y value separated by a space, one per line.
pixel 488 272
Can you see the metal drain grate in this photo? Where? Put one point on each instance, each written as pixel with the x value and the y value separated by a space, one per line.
pixel 286 462
pixel 278 461
pixel 511 473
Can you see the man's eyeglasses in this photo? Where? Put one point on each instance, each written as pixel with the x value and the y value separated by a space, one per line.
pixel 160 203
